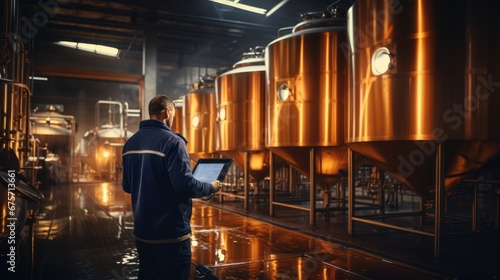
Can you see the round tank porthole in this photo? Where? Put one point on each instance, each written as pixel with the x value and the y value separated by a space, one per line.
pixel 222 114
pixel 381 61
pixel 195 121
pixel 283 92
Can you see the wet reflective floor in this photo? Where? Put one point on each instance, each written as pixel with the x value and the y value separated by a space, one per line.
pixel 85 232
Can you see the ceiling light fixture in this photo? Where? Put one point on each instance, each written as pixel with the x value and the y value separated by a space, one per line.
pixel 36 78
pixel 237 5
pixel 275 8
pixel 94 48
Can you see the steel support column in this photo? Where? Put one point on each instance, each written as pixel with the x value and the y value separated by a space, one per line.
pixel 149 66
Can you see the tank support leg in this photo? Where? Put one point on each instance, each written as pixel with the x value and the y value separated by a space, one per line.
pixel 246 182
pixel 350 191
pixel 497 209
pixel 272 184
pixel 312 187
pixel 439 201
pixel 327 202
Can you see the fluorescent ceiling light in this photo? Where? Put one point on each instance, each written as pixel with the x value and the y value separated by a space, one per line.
pixel 94 48
pixel 36 78
pixel 275 8
pixel 237 5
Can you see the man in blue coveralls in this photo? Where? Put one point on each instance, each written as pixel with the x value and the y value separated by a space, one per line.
pixel 157 172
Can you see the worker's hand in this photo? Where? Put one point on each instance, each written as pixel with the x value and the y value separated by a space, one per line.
pixel 217 186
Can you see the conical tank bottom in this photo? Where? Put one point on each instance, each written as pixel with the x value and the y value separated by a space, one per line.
pixel 329 160
pixel 414 162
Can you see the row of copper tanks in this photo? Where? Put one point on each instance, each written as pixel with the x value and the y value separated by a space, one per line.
pixel 391 80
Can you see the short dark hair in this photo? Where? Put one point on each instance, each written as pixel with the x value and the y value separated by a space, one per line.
pixel 160 103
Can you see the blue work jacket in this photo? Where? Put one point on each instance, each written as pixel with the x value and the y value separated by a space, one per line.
pixel 157 172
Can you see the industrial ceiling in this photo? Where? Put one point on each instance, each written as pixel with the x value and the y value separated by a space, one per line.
pixel 191 35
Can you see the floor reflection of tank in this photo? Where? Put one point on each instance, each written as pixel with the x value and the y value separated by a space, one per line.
pixel 307 83
pixel 240 125
pixel 199 118
pixel 55 132
pixel 113 203
pixel 421 105
pixel 100 149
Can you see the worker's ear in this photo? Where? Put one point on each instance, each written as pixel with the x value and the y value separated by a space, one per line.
pixel 170 112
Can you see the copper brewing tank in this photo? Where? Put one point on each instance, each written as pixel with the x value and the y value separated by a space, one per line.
pixel 307 83
pixel 439 87
pixel 101 147
pixel 53 130
pixel 199 119
pixel 240 100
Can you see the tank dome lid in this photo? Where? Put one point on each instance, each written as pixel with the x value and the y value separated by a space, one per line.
pixel 205 84
pixel 335 15
pixel 254 56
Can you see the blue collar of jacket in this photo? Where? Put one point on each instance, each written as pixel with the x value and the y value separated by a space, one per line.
pixel 159 124
pixel 153 123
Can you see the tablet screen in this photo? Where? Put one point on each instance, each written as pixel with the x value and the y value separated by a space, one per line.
pixel 211 169
pixel 208 172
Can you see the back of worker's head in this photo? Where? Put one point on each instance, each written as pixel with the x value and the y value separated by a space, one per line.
pixel 158 104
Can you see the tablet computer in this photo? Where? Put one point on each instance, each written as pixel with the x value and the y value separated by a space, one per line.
pixel 211 169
